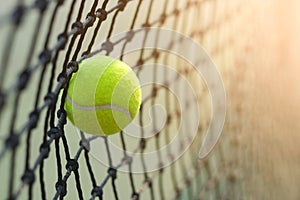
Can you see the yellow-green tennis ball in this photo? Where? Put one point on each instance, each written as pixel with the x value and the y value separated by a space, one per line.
pixel 104 96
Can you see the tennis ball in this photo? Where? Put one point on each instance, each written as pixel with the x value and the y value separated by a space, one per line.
pixel 103 97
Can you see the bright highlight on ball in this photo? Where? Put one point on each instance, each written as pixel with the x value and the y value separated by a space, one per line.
pixel 104 96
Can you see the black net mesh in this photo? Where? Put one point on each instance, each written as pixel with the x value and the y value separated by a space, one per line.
pixel 44 157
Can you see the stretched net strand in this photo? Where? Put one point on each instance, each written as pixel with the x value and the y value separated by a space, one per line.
pixel 29 58
pixel 112 171
pixel 173 173
pixel 89 166
pixel 92 16
pixel 195 168
pixel 132 184
pixel 49 34
pixel 78 25
pixel 54 14
pixel 101 16
pixel 154 115
pixel 183 30
pixel 143 188
pixel 8 45
pixel 156 55
pixel 16 100
pixel 134 194
pixel 167 134
pixel 143 141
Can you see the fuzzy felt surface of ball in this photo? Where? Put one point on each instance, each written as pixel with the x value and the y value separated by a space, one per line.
pixel 103 97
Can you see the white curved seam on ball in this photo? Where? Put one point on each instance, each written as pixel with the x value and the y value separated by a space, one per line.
pixel 102 107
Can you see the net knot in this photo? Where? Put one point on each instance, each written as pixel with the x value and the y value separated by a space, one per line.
pixel 177 192
pixel 169 119
pixel 189 4
pixel 72 165
pixel 60 2
pixel 127 160
pixel 45 56
pixel 232 177
pixel 97 192
pixel 50 96
pixel 91 17
pixel 161 167
pixel 61 187
pixel 62 116
pixel 73 65
pixel 54 133
pixel 78 27
pixel 187 181
pixel 135 196
pixel 163 18
pixel 176 12
pixel 177 113
pixel 142 143
pixel 187 71
pixel 101 14
pixel 112 173
pixel 85 144
pixel 155 54
pixel 122 4
pixel 130 35
pixel 62 40
pixel 140 62
pixel 23 79
pixel 45 149
pixel 18 14
pixel 28 177
pixel 148 181
pixel 108 46
pixel 62 78
pixel 2 99
pixel 33 119
pixel 85 54
pixel 12 141
pixel 154 91
pixel 146 25
pixel 41 5
pixel 156 132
